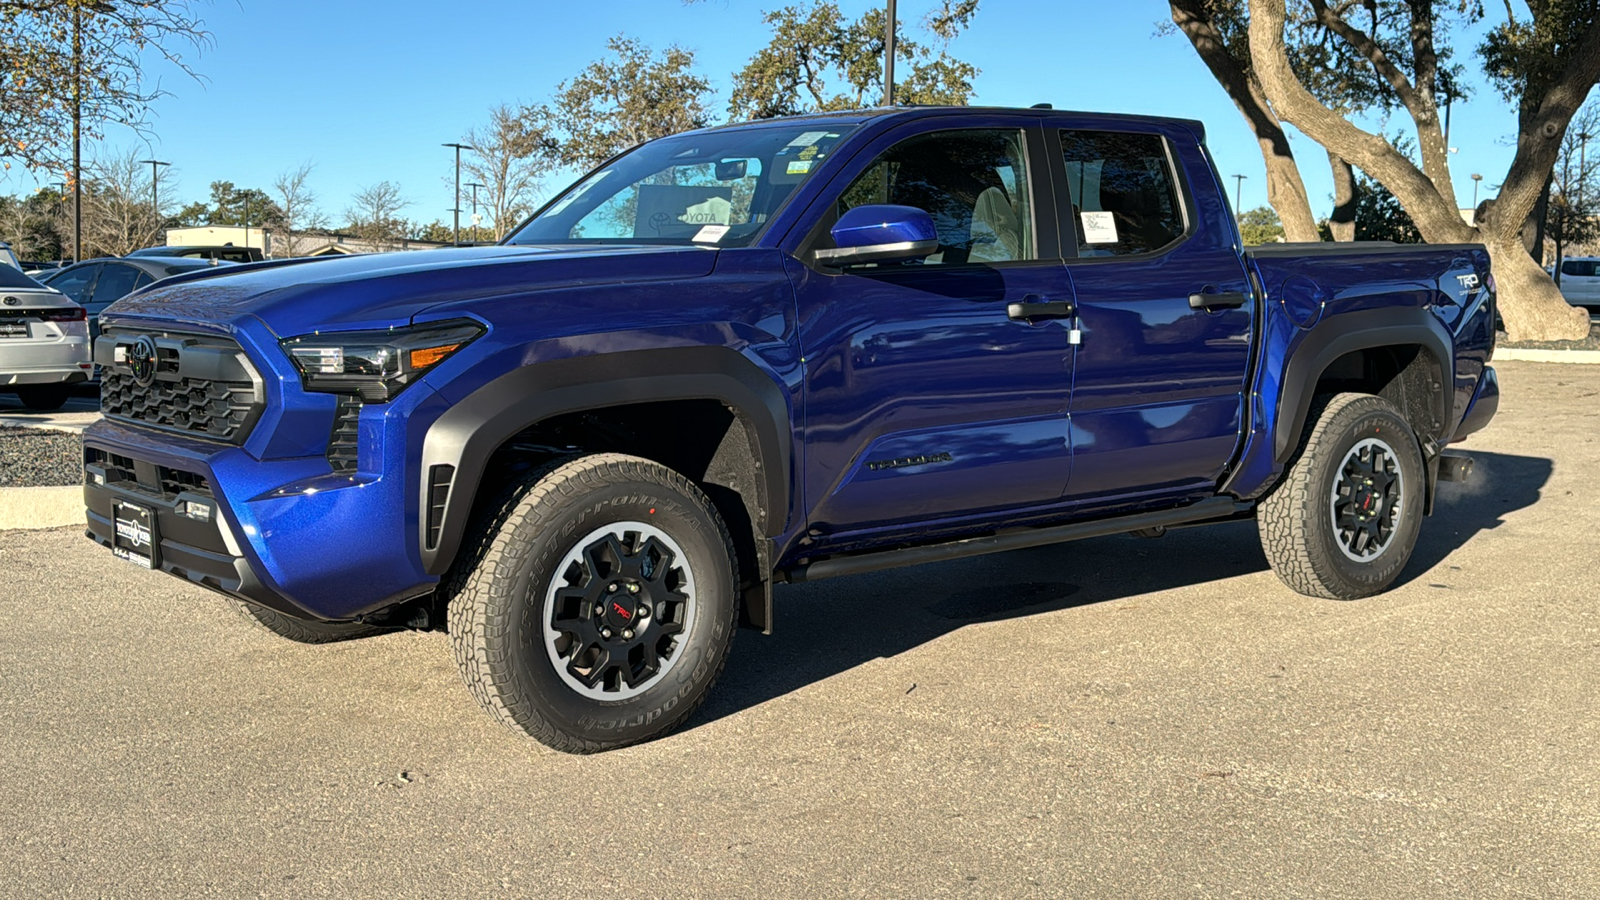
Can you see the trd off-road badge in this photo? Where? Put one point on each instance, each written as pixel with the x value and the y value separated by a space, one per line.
pixel 142 360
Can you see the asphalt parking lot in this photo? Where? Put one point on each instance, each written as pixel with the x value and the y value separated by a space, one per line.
pixel 1111 718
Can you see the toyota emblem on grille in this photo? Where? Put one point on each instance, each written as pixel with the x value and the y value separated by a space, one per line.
pixel 142 360
pixel 12 301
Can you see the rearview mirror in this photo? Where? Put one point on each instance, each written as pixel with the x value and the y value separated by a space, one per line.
pixel 731 169
pixel 880 233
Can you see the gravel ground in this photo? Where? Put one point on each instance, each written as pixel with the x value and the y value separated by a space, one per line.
pixel 31 457
pixel 1590 343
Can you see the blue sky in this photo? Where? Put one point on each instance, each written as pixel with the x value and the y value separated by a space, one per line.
pixel 369 90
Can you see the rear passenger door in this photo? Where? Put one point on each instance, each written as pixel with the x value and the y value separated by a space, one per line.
pixel 1159 385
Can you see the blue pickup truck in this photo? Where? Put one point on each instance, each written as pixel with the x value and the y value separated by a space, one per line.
pixel 777 352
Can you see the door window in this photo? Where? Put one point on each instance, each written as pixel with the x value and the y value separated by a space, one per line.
pixel 1124 199
pixel 74 282
pixel 116 281
pixel 974 183
pixel 1583 268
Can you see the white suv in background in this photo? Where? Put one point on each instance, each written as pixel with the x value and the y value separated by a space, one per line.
pixel 44 341
pixel 1580 281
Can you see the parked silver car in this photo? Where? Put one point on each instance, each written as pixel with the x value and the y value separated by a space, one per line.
pixel 1580 281
pixel 44 341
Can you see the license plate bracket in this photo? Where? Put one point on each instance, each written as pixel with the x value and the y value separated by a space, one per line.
pixel 133 534
pixel 13 329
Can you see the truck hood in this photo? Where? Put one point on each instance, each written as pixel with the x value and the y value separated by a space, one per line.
pixel 380 290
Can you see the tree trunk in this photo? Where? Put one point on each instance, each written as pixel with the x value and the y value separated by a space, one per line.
pixel 1342 223
pixel 1286 190
pixel 1531 305
pixel 1536 310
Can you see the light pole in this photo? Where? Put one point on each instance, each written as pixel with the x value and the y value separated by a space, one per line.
pixel 155 178
pixel 455 205
pixel 1238 192
pixel 1583 166
pixel 77 133
pixel 888 57
pixel 474 185
pixel 1476 180
pixel 247 219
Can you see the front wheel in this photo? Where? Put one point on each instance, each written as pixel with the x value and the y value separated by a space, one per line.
pixel 600 608
pixel 1343 521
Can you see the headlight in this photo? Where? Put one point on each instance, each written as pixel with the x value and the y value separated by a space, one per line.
pixel 376 364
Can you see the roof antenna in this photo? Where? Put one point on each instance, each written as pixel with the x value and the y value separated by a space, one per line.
pixel 1041 106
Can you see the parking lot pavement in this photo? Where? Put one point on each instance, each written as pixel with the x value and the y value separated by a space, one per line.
pixel 81 411
pixel 1111 718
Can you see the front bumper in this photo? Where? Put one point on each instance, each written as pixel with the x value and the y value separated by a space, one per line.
pixel 287 534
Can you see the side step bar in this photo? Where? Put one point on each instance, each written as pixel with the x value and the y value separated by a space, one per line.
pixel 855 564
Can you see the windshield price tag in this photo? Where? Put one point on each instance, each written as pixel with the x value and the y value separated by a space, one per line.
pixel 710 234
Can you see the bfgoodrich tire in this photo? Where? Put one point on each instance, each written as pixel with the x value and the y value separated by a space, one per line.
pixel 1343 521
pixel 602 609
pixel 303 631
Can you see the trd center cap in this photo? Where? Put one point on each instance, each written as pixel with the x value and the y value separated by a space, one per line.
pixel 620 612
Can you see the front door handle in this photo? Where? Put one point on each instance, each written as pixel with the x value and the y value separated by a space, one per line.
pixel 1031 310
pixel 1225 300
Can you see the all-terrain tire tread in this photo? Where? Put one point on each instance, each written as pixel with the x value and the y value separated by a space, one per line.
pixel 478 619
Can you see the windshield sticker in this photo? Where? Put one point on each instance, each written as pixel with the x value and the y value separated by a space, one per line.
pixel 798 167
pixel 577 192
pixel 1099 228
pixel 808 138
pixel 710 234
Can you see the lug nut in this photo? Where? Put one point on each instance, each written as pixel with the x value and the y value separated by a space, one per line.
pixel 605 633
pixel 612 586
pixel 644 612
pixel 627 634
pixel 633 589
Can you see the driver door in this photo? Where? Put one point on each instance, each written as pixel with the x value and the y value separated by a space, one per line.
pixel 925 402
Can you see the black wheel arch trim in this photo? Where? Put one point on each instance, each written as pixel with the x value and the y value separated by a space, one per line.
pixel 471 430
pixel 1349 332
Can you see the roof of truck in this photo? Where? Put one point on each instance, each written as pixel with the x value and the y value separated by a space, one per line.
pixel 858 116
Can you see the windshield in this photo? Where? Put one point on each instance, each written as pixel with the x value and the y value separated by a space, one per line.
pixel 716 188
pixel 13 278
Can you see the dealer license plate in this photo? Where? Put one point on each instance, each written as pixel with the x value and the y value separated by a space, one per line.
pixel 13 329
pixel 134 534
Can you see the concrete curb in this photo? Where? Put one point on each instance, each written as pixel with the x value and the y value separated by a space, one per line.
pixel 41 507
pixel 1517 354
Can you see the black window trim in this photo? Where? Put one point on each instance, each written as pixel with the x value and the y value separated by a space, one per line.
pixel 1069 226
pixel 1047 245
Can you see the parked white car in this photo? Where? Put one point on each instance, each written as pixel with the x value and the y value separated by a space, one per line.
pixel 44 341
pixel 1580 281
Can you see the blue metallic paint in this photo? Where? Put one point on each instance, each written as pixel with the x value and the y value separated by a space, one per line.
pixel 883 223
pixel 883 365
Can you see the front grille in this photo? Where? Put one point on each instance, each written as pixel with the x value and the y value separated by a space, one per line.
pixel 203 386
pixel 344 443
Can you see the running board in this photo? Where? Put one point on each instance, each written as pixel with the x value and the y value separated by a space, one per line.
pixel 855 564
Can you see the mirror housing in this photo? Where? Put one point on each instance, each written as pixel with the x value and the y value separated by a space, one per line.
pixel 879 233
pixel 731 169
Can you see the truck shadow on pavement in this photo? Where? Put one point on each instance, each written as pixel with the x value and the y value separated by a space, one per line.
pixel 825 628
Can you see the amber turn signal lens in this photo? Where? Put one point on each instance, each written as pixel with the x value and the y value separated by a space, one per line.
pixel 427 356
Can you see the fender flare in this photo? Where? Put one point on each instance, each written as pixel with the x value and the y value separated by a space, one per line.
pixel 1348 333
pixel 471 430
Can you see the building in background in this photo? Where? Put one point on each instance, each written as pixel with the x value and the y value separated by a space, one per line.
pixel 309 243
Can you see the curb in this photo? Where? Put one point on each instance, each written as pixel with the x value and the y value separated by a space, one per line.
pixel 41 507
pixel 1516 354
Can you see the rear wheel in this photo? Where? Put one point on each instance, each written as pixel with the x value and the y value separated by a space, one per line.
pixel 1343 521
pixel 304 631
pixel 602 610
pixel 44 397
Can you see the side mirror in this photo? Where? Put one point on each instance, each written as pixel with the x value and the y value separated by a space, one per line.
pixel 879 233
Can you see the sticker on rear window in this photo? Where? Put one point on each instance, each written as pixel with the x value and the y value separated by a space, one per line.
pixel 1099 228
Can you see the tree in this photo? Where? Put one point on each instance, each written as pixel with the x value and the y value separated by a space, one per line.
pixel 1550 94
pixel 374 215
pixel 297 212
pixel 1380 217
pixel 621 101
pixel 509 155
pixel 231 205
pixel 1217 30
pixel 1260 226
pixel 29 224
pixel 819 60
pixel 117 216
pixel 43 80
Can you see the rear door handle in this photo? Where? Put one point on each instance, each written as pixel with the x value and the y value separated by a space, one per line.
pixel 1033 309
pixel 1225 300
